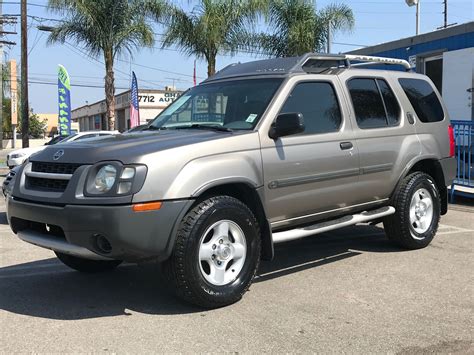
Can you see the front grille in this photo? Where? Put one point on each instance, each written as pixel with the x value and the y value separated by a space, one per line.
pixel 42 184
pixel 54 168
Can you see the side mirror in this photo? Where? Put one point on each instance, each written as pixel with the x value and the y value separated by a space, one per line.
pixel 287 124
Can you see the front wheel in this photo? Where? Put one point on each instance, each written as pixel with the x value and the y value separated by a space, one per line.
pixel 417 204
pixel 87 265
pixel 216 253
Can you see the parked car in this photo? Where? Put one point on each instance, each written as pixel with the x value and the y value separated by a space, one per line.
pixel 17 157
pixel 260 153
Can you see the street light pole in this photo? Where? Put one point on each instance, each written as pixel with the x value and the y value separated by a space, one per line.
pixel 418 14
pixel 24 77
pixel 417 17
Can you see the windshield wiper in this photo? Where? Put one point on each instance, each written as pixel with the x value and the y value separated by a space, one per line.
pixel 153 128
pixel 203 126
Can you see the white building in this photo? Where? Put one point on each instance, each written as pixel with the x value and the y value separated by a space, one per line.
pixel 152 102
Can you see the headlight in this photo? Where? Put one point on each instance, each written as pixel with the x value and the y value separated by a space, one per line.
pixel 18 155
pixel 113 179
pixel 105 178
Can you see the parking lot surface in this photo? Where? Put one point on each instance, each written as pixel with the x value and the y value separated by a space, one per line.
pixel 344 291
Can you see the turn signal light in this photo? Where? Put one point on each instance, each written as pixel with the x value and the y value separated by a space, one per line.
pixel 149 206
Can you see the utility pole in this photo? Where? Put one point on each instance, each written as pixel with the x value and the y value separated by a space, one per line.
pixel 329 39
pixel 445 12
pixel 25 112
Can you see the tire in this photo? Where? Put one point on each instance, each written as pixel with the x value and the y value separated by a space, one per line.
pixel 87 265
pixel 193 268
pixel 417 204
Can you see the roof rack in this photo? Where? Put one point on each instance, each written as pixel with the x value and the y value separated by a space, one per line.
pixel 314 63
pixel 310 61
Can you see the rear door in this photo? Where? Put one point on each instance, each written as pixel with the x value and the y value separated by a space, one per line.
pixel 387 141
pixel 308 174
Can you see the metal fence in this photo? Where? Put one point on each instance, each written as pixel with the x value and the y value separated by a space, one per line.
pixel 464 138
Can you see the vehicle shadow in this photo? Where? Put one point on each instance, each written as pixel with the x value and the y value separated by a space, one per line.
pixel 48 289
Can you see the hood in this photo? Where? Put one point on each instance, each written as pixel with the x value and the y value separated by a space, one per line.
pixel 129 148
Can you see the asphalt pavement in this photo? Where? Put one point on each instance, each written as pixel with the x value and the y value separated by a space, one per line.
pixel 346 291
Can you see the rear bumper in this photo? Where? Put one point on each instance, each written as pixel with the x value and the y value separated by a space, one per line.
pixel 133 236
pixel 449 169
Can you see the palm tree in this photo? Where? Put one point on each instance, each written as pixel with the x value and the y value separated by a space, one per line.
pixel 297 28
pixel 107 28
pixel 213 27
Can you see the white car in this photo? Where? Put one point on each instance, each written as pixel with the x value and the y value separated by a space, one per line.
pixel 17 157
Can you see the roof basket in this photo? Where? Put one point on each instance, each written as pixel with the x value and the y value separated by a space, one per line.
pixel 316 63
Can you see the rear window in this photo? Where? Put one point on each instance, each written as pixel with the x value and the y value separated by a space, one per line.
pixel 374 103
pixel 423 99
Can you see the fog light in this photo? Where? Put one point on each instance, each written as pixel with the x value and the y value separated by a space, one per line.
pixel 102 244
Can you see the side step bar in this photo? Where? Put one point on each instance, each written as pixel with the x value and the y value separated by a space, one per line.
pixel 62 246
pixel 322 227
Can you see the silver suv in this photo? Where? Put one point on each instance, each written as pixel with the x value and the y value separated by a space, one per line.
pixel 261 153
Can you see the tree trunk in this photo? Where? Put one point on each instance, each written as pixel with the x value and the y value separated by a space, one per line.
pixel 211 65
pixel 109 90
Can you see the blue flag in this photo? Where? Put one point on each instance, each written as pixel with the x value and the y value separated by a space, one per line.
pixel 64 102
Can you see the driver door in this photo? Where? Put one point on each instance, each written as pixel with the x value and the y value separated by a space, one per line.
pixel 308 174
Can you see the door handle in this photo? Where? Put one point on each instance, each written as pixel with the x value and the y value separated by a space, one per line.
pixel 346 145
pixel 410 118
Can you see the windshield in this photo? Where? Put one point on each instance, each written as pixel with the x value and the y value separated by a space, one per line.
pixel 231 105
pixel 69 138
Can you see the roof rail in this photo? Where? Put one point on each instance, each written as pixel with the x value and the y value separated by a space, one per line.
pixel 366 59
pixel 309 60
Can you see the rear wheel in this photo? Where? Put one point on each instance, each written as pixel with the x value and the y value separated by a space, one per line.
pixel 216 253
pixel 87 265
pixel 417 203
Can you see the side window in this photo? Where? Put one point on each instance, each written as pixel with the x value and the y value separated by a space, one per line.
pixel 391 103
pixel 374 103
pixel 318 103
pixel 423 99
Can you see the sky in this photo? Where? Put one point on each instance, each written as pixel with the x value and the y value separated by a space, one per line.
pixel 376 21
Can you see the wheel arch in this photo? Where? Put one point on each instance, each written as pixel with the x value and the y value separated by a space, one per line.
pixel 251 197
pixel 432 167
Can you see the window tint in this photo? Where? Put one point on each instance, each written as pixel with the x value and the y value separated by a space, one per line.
pixel 423 99
pixel 391 103
pixel 318 104
pixel 368 104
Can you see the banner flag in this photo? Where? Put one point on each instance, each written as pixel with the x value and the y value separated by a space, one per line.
pixel 134 105
pixel 64 102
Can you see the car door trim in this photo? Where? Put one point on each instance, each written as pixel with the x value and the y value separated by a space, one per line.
pixel 370 169
pixel 307 179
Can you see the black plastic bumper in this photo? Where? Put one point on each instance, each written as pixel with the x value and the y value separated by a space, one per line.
pixel 133 236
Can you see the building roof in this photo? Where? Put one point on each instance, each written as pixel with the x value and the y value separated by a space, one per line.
pixel 465 33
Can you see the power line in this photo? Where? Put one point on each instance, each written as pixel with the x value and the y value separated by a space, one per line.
pixel 18 3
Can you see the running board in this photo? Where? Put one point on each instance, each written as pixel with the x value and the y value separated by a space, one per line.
pixel 322 227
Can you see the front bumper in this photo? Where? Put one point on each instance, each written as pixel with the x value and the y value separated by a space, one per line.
pixel 133 236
